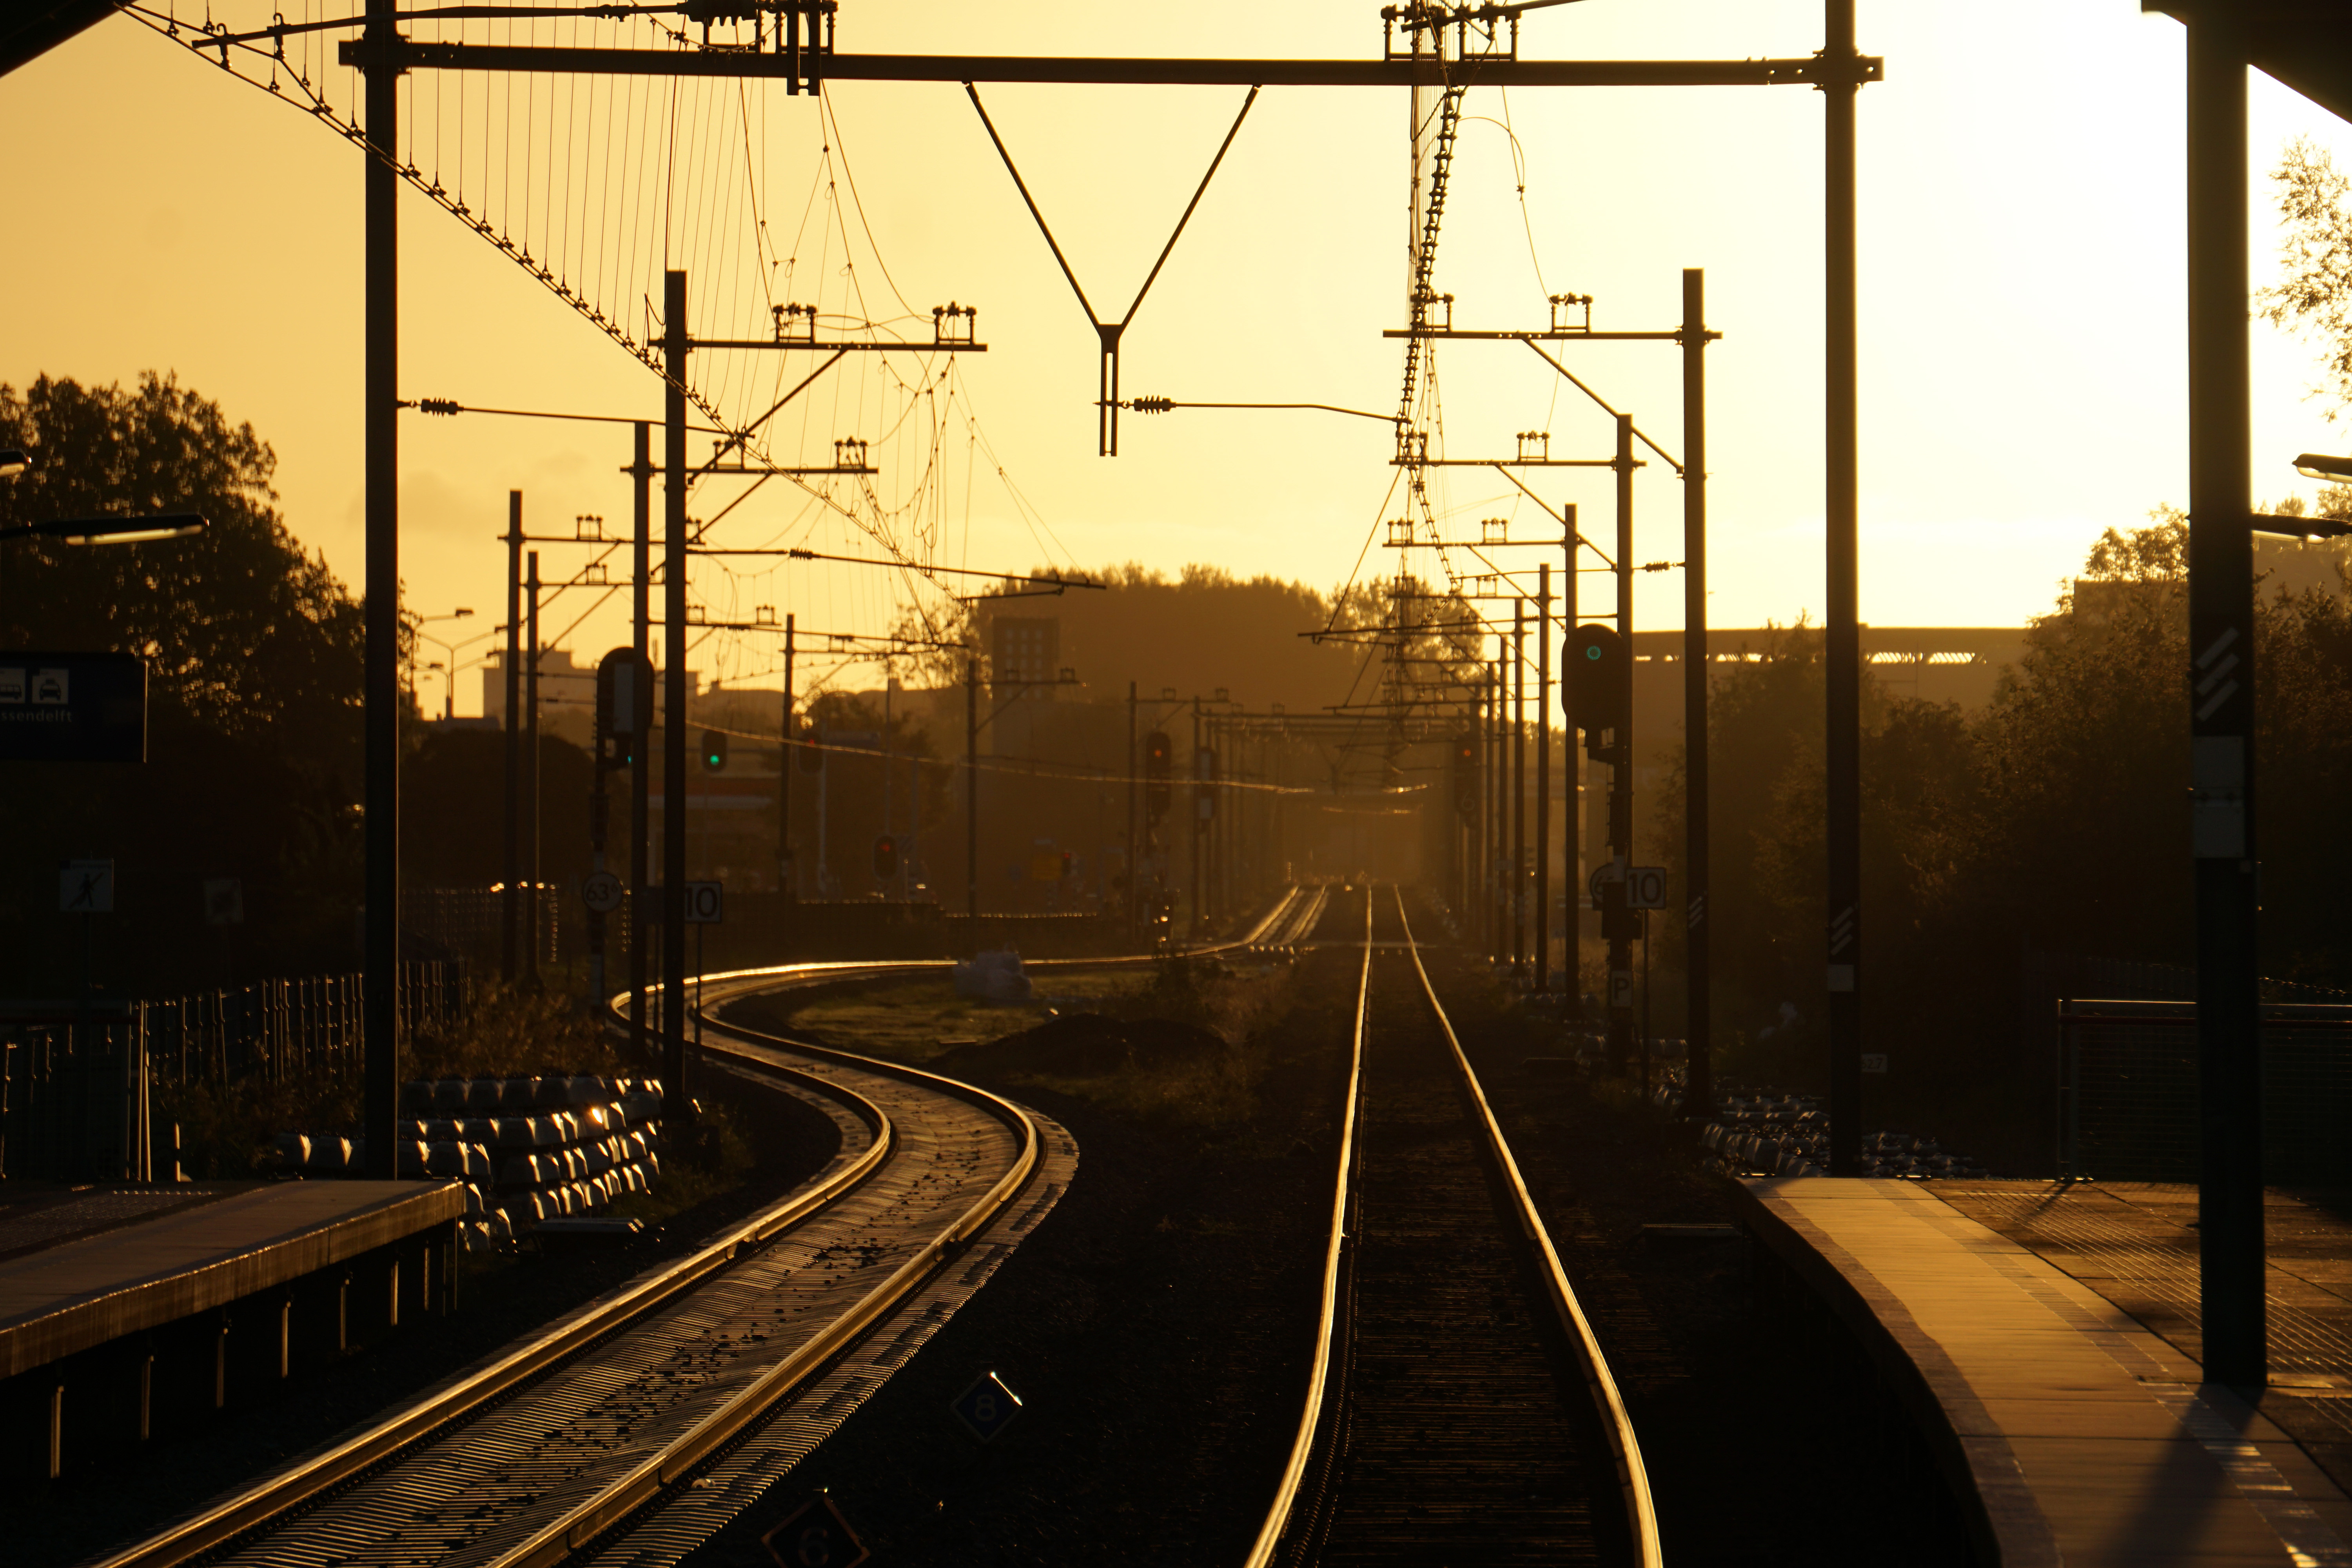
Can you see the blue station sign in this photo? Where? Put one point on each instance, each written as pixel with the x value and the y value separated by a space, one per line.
pixel 72 708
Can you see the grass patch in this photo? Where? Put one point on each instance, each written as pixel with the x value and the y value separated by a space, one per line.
pixel 699 1163
pixel 1183 1046
pixel 918 1021
pixel 1186 1050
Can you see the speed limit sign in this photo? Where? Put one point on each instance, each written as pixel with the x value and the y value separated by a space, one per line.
pixel 705 903
pixel 601 892
pixel 1646 887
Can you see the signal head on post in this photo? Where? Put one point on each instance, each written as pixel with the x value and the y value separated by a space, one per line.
pixel 1598 686
pixel 1158 762
pixel 714 751
pixel 886 858
pixel 1465 773
pixel 621 692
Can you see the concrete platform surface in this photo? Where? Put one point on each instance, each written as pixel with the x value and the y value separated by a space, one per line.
pixel 2073 1431
pixel 81 1269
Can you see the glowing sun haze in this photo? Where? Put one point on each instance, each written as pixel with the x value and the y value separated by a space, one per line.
pixel 2021 301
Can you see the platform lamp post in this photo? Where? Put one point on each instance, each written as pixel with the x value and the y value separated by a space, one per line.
pixel 124 530
pixel 2335 471
pixel 450 683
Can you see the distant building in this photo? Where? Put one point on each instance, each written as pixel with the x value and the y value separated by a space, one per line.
pixel 1026 651
pixel 1932 664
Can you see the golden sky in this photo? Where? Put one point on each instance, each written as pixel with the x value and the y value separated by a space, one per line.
pixel 2021 268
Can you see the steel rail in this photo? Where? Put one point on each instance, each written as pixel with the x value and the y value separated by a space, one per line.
pixel 1335 1258
pixel 288 1490
pixel 658 1472
pixel 645 1483
pixel 1633 1480
pixel 828 971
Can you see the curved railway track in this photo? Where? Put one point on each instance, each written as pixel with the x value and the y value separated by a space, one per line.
pixel 632 1429
pixel 1459 1408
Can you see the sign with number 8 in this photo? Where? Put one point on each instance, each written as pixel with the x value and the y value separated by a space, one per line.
pixel 987 1407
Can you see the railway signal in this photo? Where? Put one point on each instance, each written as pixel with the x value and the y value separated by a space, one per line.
pixel 622 704
pixel 1466 774
pixel 886 858
pixel 1597 686
pixel 714 751
pixel 812 749
pixel 1159 755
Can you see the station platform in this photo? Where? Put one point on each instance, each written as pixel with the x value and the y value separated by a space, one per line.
pixel 2043 1339
pixel 118 1304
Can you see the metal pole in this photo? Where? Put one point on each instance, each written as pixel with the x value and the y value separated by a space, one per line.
pixel 786 882
pixel 971 797
pixel 382 608
pixel 674 714
pixel 1543 776
pixel 600 823
pixel 1218 830
pixel 1198 797
pixel 1645 1005
pixel 1841 632
pixel 510 895
pixel 2222 705
pixel 641 760
pixel 1698 1082
pixel 889 772
pixel 1620 769
pixel 1490 728
pixel 1498 814
pixel 1518 869
pixel 530 776
pixel 1571 823
pixel 1134 881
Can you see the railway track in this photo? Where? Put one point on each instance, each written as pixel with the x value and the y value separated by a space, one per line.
pixel 1459 1408
pixel 619 1432
pixel 634 1428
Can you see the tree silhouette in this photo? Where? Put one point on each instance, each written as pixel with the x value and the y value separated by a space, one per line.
pixel 254 651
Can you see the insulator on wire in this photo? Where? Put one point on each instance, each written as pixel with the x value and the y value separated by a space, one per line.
pixel 1152 405
pixel 445 405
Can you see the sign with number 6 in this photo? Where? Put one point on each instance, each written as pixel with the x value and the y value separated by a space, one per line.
pixel 987 1407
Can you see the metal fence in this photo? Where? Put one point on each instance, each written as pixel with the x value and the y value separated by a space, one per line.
pixel 288 1029
pixel 75 1078
pixel 2128 1091
pixel 73 1085
pixel 470 923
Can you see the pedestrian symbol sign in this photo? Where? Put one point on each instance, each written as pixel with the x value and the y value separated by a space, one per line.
pixel 86 887
pixel 987 1407
pixel 815 1535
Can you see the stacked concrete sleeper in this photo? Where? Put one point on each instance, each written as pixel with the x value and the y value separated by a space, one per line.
pixel 526 1149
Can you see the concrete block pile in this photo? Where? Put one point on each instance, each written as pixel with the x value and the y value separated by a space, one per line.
pixel 527 1150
